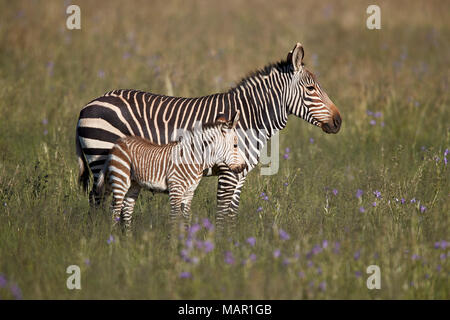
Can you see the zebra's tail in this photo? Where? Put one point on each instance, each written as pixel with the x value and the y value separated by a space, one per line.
pixel 83 171
pixel 100 187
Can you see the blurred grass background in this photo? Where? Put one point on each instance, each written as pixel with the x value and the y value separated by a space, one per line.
pixel 390 85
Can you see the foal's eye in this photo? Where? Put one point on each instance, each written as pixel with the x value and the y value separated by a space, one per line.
pixel 235 146
pixel 310 88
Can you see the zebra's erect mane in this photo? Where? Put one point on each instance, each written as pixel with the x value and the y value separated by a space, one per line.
pixel 282 66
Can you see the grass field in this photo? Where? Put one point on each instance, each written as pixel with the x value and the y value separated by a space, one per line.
pixel 377 193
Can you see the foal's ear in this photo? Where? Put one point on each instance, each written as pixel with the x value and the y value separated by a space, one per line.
pixel 236 119
pixel 295 56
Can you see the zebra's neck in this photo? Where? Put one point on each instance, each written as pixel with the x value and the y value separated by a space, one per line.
pixel 260 97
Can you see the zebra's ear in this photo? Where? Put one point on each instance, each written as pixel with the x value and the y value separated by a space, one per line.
pixel 296 56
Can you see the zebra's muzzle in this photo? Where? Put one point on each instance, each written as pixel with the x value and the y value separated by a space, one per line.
pixel 333 126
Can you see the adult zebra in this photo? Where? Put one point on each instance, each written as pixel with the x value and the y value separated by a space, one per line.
pixel 265 99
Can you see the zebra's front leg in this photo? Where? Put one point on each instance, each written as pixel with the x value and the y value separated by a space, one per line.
pixel 128 205
pixel 228 197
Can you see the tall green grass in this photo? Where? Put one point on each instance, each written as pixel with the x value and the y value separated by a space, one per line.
pixel 47 73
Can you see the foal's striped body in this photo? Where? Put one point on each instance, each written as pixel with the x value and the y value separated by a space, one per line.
pixel 176 167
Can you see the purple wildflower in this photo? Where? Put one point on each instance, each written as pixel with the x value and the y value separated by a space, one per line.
pixel 185 255
pixel 287 150
pixel 378 114
pixel 437 244
pixel 438 268
pixel 372 122
pixel 413 200
pixel 50 66
pixel 443 244
pixel 101 74
pixel 208 246
pixel 207 224
pixel 359 193
pixel 286 156
pixel 286 261
pixel 337 247
pixel 45 132
pixel 87 262
pixel 415 257
pixel 369 113
pixel 251 241
pixel 259 209
pixel 423 209
pixel 276 253
pixel 443 256
pixel 266 198
pixel 446 152
pixel 324 244
pixel 374 204
pixel 229 259
pixel 382 123
pixel 319 270
pixel 311 140
pixel 194 229
pixel 362 210
pixel 185 275
pixel 357 255
pixel 15 290
pixel 262 195
pixel 283 235
pixel 252 257
pixel 310 263
pixel 316 249
pixel 402 200
pixel 323 286
pixel 377 194
pixel 195 260
pixel 358 274
pixel 423 148
pixel 335 192
pixel 110 239
pixel 3 281
pixel 301 274
pixel 45 121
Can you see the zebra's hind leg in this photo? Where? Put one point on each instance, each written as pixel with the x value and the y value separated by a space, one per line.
pixel 128 206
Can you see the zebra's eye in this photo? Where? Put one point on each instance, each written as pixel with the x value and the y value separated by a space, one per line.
pixel 235 146
pixel 310 88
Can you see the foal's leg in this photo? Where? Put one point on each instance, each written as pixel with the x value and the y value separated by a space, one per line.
pixel 119 191
pixel 128 205
pixel 186 205
pixel 175 198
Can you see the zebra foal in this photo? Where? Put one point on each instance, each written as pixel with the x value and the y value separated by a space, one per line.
pixel 177 167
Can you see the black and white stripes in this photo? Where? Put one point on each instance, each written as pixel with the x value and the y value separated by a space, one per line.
pixel 265 99
pixel 134 163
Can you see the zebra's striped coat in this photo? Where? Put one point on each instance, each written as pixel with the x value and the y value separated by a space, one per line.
pixel 265 100
pixel 177 167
